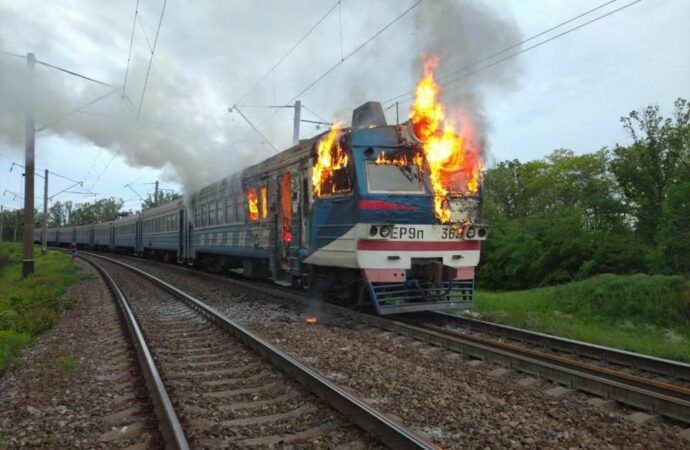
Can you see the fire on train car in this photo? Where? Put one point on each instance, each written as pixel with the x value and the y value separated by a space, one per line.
pixel 353 215
pixel 371 216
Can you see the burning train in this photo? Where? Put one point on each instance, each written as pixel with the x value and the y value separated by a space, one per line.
pixel 372 215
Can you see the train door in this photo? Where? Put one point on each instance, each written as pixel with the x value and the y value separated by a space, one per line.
pixel 180 236
pixel 284 216
pixel 304 205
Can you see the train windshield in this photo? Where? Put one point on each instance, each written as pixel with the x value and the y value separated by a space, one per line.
pixel 386 178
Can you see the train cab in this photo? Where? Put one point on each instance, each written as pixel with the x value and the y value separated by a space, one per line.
pixel 397 242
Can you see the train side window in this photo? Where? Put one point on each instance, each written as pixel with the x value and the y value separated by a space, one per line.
pixel 252 205
pixel 221 211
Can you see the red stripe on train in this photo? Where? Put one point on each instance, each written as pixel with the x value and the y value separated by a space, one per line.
pixel 380 204
pixel 417 245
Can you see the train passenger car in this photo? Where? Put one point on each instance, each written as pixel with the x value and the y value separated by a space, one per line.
pixel 126 237
pixel 218 237
pixel 83 236
pixel 53 236
pixel 68 235
pixel 102 236
pixel 163 232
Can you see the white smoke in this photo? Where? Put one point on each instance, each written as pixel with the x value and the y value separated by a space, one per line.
pixel 208 56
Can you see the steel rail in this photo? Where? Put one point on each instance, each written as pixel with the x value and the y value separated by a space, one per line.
pixel 168 422
pixel 391 433
pixel 610 355
pixel 645 383
pixel 644 394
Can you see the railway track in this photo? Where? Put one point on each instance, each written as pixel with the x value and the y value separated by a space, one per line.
pixel 640 390
pixel 671 372
pixel 215 384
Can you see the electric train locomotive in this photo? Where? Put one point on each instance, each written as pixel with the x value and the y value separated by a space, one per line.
pixel 354 214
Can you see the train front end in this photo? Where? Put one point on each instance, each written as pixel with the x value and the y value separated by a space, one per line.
pixel 415 229
pixel 412 256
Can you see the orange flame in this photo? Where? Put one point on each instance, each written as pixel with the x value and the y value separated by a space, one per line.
pixel 253 205
pixel 330 158
pixel 454 162
pixel 264 202
pixel 311 320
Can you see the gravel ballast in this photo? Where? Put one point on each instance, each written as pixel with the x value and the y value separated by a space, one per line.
pixel 453 401
pixel 78 385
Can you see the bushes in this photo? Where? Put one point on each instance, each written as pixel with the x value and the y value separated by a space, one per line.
pixel 642 313
pixel 29 307
pixel 643 299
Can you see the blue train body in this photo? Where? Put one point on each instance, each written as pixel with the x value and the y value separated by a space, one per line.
pixel 367 236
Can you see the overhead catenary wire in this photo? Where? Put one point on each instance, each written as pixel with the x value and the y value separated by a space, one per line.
pixel 153 51
pixel 131 43
pixel 71 72
pixel 450 78
pixel 16 55
pixel 146 36
pixel 348 56
pixel 102 172
pixel 353 52
pixel 317 115
pixel 76 110
pixel 288 53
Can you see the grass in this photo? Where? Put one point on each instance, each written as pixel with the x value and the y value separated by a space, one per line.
pixel 642 313
pixel 65 364
pixel 29 307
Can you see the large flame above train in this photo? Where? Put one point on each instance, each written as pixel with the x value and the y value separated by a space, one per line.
pixel 453 161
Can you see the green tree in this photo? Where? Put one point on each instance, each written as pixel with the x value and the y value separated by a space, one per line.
pixel 648 167
pixel 553 220
pixel 102 210
pixel 163 197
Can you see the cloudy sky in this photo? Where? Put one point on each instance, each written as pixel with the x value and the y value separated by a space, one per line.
pixel 569 92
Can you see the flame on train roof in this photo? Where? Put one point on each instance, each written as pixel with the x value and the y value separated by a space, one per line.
pixel 453 160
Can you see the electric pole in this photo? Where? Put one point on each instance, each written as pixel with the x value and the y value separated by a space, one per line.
pixel 30 136
pixel 2 217
pixel 155 195
pixel 44 233
pixel 295 123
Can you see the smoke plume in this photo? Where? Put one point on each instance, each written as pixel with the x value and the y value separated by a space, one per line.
pixel 207 57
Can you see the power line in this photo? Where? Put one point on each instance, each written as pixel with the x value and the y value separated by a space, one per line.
pixel 98 154
pixel 43 63
pixel 16 55
pixel 348 56
pixel 146 36
pixel 294 46
pixel 353 52
pixel 131 42
pixel 318 116
pixel 102 172
pixel 448 78
pixel 76 110
pixel 153 50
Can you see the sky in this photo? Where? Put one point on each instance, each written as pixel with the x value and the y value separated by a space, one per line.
pixel 209 56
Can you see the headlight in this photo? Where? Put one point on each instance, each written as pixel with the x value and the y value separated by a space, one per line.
pixel 373 230
pixel 386 231
pixel 482 232
pixel 471 233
